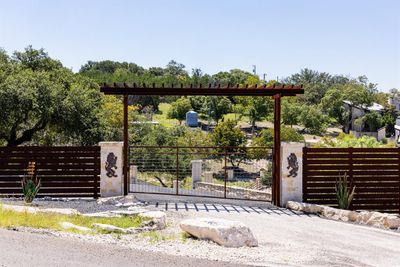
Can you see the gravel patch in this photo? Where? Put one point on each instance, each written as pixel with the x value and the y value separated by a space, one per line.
pixel 82 205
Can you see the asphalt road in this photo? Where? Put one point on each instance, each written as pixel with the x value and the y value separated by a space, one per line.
pixel 22 249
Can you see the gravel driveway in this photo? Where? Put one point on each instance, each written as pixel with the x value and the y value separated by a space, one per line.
pixel 285 238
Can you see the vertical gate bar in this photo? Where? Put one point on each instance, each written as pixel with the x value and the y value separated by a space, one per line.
pixel 277 150
pixel 225 172
pixel 177 170
pixel 125 149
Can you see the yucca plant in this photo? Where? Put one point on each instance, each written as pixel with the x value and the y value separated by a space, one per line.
pixel 344 191
pixel 30 183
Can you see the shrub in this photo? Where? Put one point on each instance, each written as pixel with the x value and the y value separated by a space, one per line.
pixel 30 183
pixel 288 134
pixel 344 192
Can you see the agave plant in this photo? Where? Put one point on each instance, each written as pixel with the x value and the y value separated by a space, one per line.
pixel 30 183
pixel 344 192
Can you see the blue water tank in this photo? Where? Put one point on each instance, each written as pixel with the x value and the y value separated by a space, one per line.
pixel 191 119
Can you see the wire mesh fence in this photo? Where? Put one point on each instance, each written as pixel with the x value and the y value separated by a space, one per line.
pixel 222 172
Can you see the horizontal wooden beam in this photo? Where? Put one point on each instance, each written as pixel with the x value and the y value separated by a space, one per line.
pixel 125 89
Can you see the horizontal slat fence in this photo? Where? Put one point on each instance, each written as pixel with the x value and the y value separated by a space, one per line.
pixel 375 173
pixel 63 171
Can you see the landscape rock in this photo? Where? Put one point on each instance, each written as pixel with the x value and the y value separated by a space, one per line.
pixel 223 232
pixel 392 221
pixel 28 209
pixel 68 225
pixel 305 207
pixel 64 211
pixel 372 218
pixel 103 214
pixel 118 200
pixel 17 208
pixel 137 209
pixel 128 212
pixel 157 218
pixel 110 228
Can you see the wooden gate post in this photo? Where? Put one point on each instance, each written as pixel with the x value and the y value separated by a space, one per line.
pixel 276 186
pixel 126 144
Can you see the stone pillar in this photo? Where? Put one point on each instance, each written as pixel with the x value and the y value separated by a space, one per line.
pixel 230 173
pixel 291 172
pixel 133 172
pixel 196 171
pixel 111 177
pixel 208 177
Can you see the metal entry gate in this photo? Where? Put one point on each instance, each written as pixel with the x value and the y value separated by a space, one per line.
pixel 218 172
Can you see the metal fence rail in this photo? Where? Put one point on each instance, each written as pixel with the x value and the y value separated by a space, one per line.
pixel 63 171
pixel 221 172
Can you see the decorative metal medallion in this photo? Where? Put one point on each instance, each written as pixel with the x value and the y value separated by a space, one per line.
pixel 111 165
pixel 293 165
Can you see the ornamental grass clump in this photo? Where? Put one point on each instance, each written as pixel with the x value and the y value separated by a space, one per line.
pixel 344 192
pixel 30 183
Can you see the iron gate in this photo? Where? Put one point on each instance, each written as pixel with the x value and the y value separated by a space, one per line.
pixel 219 172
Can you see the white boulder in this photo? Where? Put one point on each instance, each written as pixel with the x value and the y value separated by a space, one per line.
pixel 61 211
pixel 109 228
pixel 392 221
pixel 157 218
pixel 223 232
pixel 103 214
pixel 68 225
pixel 29 209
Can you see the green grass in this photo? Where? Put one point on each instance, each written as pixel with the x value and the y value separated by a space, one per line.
pixel 11 219
pixel 241 184
pixel 162 117
pixel 155 237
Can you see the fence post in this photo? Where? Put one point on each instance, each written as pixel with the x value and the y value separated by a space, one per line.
pixel 177 171
pixel 225 172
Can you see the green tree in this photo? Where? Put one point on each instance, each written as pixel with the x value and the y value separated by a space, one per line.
pixel 313 119
pixel 373 121
pixel 257 109
pixel 179 109
pixel 228 134
pixel 229 138
pixel 266 137
pixel 290 112
pixel 216 107
pixel 389 119
pixel 39 97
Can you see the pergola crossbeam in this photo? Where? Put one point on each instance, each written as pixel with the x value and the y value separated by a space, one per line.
pixel 198 89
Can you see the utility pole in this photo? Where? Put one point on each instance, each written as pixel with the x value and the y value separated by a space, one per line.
pixel 264 76
pixel 254 69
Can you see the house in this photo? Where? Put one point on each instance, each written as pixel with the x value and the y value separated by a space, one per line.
pixel 395 102
pixel 359 127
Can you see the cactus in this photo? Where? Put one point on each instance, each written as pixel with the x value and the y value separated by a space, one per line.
pixel 344 192
pixel 30 183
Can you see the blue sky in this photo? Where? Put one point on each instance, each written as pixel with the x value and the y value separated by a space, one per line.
pixel 351 37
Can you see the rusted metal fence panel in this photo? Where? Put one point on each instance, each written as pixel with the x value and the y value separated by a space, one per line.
pixel 219 172
pixel 375 172
pixel 63 171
